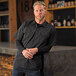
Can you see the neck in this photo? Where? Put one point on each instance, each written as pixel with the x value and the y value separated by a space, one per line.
pixel 40 21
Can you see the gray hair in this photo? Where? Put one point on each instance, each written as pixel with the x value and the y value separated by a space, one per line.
pixel 39 3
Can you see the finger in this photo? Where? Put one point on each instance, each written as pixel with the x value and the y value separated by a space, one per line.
pixel 28 52
pixel 28 55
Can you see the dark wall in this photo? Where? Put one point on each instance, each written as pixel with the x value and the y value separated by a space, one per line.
pixel 64 13
pixel 5 35
pixel 66 36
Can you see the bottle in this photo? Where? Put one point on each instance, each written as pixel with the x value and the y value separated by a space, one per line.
pixel 66 3
pixel 72 22
pixel 49 5
pixel 52 4
pixel 64 22
pixel 55 22
pixel 75 22
pixel 55 4
pixel 58 4
pixel 52 22
pixel 62 3
pixel 68 23
pixel 72 3
pixel 69 3
pixel 59 21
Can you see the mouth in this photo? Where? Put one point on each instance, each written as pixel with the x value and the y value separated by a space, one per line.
pixel 39 16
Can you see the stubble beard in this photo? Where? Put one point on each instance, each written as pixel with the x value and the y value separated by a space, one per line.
pixel 40 19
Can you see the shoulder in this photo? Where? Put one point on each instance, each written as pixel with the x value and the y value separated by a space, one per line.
pixel 50 26
pixel 26 24
pixel 29 22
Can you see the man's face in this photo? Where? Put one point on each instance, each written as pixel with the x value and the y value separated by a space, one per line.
pixel 39 12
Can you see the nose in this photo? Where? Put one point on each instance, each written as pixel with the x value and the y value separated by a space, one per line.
pixel 39 12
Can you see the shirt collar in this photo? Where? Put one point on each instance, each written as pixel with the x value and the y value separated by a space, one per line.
pixel 43 24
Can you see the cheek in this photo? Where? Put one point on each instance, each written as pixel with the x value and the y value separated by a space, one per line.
pixel 35 13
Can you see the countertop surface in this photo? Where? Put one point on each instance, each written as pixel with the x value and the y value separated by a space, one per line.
pixel 7 48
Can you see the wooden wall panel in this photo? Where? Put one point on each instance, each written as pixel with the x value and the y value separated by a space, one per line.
pixel 49 15
pixel 12 19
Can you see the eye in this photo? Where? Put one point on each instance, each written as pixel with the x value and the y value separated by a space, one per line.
pixel 41 10
pixel 36 10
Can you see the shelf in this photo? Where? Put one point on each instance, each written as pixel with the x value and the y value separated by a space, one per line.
pixel 60 8
pixel 4 28
pixel 3 0
pixel 11 12
pixel 65 27
pixel 4 13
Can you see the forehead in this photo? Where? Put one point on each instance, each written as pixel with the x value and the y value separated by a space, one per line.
pixel 39 7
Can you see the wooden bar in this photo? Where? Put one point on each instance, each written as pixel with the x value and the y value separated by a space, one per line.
pixel 60 8
pixel 66 27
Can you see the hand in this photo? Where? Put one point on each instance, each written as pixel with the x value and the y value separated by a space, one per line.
pixel 27 54
pixel 33 50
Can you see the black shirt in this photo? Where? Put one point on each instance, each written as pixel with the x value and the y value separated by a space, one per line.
pixel 33 35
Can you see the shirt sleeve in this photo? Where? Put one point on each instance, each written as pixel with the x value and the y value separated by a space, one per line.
pixel 19 35
pixel 50 43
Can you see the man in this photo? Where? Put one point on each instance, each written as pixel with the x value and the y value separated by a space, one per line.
pixel 33 39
